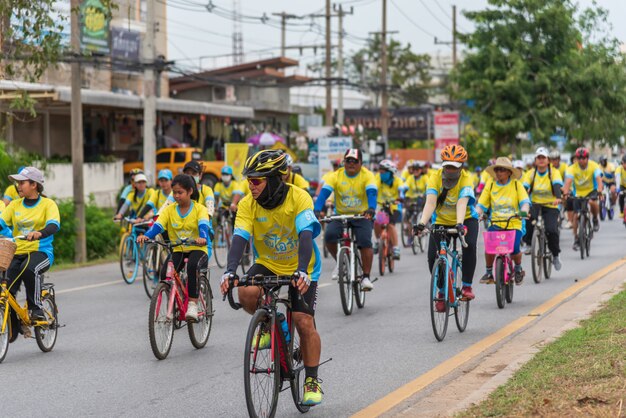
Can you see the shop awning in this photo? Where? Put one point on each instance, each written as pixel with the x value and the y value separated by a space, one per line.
pixel 203 108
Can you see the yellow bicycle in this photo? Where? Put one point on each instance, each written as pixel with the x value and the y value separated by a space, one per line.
pixel 45 330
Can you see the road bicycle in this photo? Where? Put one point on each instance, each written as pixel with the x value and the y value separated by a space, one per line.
pixel 168 306
pixel 607 206
pixel 349 264
pixel 223 236
pixel 411 218
pixel 585 228
pixel 132 255
pixel 502 244
pixel 14 319
pixel 540 254
pixel 266 369
pixel 385 249
pixel 446 283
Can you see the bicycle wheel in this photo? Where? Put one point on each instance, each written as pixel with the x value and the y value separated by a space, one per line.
pixel 582 225
pixel 510 285
pixel 405 231
pixel 129 260
pixel 47 336
pixel 200 330
pixel 345 287
pixel 461 311
pixel 536 255
pixel 160 327
pixel 391 262
pixel 359 294
pixel 323 233
pixel 588 238
pixel 611 212
pixel 220 251
pixel 151 268
pixel 4 336
pixel 261 369
pixel 382 255
pixel 297 365
pixel 498 275
pixel 246 260
pixel 547 263
pixel 439 318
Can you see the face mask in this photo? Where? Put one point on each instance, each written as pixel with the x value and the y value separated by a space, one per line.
pixel 197 179
pixel 226 178
pixel 386 176
pixel 450 178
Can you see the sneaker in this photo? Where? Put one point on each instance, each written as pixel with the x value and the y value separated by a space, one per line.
pixel 440 305
pixel 596 225
pixel 366 284
pixel 556 262
pixel 576 245
pixel 519 277
pixel 396 253
pixel 467 293
pixel 568 225
pixel 312 392
pixel 375 247
pixel 37 315
pixel 264 341
pixel 335 275
pixel 192 312
pixel 487 279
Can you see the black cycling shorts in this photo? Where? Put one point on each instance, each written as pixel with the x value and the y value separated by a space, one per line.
pixel 592 196
pixel 362 232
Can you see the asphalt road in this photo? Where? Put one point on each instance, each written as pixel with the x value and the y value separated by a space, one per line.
pixel 102 364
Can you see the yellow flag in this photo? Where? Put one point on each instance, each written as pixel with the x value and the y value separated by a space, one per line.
pixel 236 155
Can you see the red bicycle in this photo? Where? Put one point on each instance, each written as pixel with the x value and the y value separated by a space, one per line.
pixel 168 306
pixel 385 249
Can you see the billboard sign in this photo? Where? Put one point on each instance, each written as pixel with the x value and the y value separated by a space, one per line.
pixel 94 27
pixel 446 131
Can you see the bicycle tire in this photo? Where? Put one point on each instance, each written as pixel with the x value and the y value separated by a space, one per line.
pixel 498 275
pixel 246 260
pixel 129 259
pixel 345 287
pixel 6 335
pixel 381 256
pixel 261 320
pixel 151 269
pixel 297 365
pixel 581 236
pixel 611 212
pixel 439 320
pixel 200 330
pixel 218 247
pixel 602 207
pixel 462 309
pixel 359 293
pixel 391 262
pixel 588 239
pixel 547 263
pixel 510 286
pixel 161 344
pixel 405 233
pixel 536 256
pixel 47 336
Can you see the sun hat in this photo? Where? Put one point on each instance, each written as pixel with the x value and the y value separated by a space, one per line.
pixel 28 173
pixel 140 177
pixel 503 162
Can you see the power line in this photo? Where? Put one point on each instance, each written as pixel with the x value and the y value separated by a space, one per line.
pixel 406 16
pixel 434 15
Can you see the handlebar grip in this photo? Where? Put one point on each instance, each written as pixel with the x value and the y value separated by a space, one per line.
pixel 231 301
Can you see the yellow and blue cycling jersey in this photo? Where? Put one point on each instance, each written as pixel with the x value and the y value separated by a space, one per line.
pixel 184 226
pixel 620 174
pixel 2 207
pixel 404 175
pixel 389 192
pixel 158 199
pixel 298 181
pixel 20 219
pixel 504 201
pixel 225 193
pixel 275 232
pixel 608 173
pixel 415 186
pixel 562 168
pixel 126 191
pixel 353 195
pixel 11 193
pixel 542 184
pixel 136 201
pixel 445 214
pixel 583 181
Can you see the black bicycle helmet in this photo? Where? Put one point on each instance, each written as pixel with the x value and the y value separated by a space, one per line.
pixel 266 163
pixel 624 159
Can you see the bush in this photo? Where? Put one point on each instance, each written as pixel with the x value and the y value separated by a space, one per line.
pixel 11 158
pixel 102 232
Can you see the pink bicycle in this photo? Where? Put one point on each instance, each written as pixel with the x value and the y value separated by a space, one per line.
pixel 502 244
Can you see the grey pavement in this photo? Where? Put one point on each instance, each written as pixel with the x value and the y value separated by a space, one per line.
pixel 102 364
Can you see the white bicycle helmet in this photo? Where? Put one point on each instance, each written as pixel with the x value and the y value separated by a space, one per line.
pixel 388 165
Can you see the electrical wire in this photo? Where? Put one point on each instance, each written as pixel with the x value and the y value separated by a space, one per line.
pixel 406 16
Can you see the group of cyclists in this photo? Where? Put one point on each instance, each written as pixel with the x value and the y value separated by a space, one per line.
pixel 273 210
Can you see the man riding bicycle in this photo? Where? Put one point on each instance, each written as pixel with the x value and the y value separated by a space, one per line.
pixel 355 192
pixel 390 189
pixel 608 178
pixel 279 219
pixel 584 179
pixel 620 180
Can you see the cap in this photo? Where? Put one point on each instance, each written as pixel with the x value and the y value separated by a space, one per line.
pixel 353 153
pixel 140 177
pixel 451 164
pixel 163 174
pixel 193 165
pixel 227 170
pixel 28 173
pixel 543 152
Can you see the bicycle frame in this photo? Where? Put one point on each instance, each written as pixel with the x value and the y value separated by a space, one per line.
pixel 452 263
pixel 22 313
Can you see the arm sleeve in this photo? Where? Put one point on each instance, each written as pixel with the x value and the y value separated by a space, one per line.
pixel 49 229
pixel 235 253
pixel 203 231
pixel 155 230
pixel 305 250
pixel 144 211
pixel 556 190
pixel 124 208
pixel 372 195
pixel 321 199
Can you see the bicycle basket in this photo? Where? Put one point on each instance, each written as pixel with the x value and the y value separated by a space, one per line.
pixel 499 242
pixel 382 218
pixel 7 250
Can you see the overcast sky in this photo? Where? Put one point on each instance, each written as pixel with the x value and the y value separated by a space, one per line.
pixel 195 32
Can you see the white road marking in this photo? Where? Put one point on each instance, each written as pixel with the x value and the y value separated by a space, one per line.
pixel 91 286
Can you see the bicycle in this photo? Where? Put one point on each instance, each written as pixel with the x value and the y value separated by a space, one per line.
pixel 131 253
pixel 502 244
pixel 412 217
pixel 607 206
pixel 265 370
pixel 45 330
pixel 585 228
pixel 330 209
pixel 223 236
pixel 385 251
pixel 540 253
pixel 152 264
pixel 168 306
pixel 349 265
pixel 445 286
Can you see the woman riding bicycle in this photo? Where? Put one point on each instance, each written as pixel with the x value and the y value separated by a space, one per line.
pixel 390 189
pixel 451 203
pixel 185 220
pixel 137 199
pixel 505 197
pixel 37 218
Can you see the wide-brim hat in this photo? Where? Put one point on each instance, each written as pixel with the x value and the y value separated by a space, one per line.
pixel 503 162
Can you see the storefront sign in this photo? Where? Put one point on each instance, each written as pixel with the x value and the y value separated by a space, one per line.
pixel 94 27
pixel 125 44
pixel 446 131
pixel 404 123
pixel 329 149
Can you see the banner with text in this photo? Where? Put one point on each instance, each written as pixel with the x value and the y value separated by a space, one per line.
pixel 236 156
pixel 446 131
pixel 329 149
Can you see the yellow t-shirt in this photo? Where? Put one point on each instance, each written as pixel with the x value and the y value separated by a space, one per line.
pixel 225 193
pixel 388 193
pixel 244 187
pixel 541 193
pixel 583 181
pixel 485 177
pixel 19 219
pixel 2 206
pixel 504 201
pixel 404 175
pixel 11 194
pixel 446 213
pixel 206 199
pixel 275 232
pixel 136 202
pixel 622 176
pixel 415 186
pixel 350 192
pixel 185 226
pixel 298 181
pixel 608 173
pixel 562 168
pixel 158 199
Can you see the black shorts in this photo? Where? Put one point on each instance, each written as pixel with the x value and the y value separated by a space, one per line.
pixel 297 305
pixel 576 203
pixel 395 218
pixel 362 232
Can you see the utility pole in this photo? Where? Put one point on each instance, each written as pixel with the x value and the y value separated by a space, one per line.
pixel 454 38
pixel 340 14
pixel 149 106
pixel 329 97
pixel 384 114
pixel 283 29
pixel 80 249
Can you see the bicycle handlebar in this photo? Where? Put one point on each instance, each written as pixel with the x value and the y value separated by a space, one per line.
pixel 341 218
pixel 13 239
pixel 171 245
pixel 448 231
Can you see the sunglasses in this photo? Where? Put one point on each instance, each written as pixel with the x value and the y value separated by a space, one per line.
pixel 352 161
pixel 498 169
pixel 257 181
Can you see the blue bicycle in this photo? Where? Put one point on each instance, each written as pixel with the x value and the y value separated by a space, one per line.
pixel 446 284
pixel 131 253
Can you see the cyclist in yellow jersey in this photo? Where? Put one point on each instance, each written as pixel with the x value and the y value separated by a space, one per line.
pixel 390 189
pixel 356 193
pixel 505 197
pixel 10 193
pixel 294 178
pixel 451 203
pixel 37 218
pixel 138 199
pixel 555 161
pixel 279 219
pixel 544 184
pixel 608 178
pixel 584 179
pixel 205 194
pixel 408 170
pixel 227 190
pixel 620 179
pixel 2 207
pixel 185 220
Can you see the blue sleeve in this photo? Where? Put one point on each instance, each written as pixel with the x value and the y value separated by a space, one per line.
pixel 4 229
pixel 242 233
pixel 203 231
pixel 372 195
pixel 306 220
pixel 432 191
pixel 321 198
pixel 523 202
pixel 484 208
pixel 126 191
pixel 154 231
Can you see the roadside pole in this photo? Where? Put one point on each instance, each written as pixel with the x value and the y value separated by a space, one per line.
pixel 149 105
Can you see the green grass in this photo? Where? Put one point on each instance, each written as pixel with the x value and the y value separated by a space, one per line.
pixel 582 373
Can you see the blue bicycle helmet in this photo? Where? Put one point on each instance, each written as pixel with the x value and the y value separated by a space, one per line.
pixel 227 170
